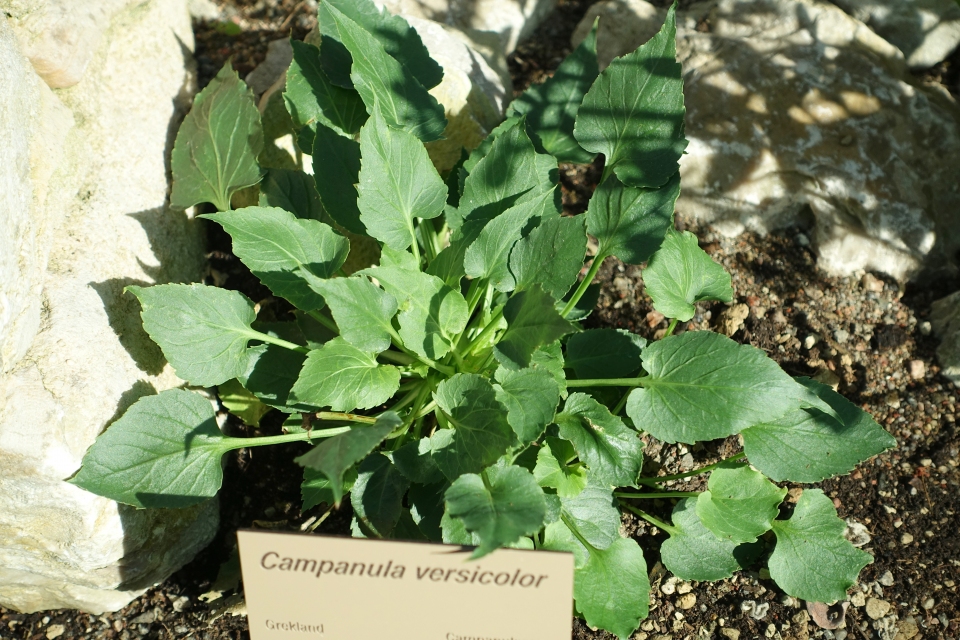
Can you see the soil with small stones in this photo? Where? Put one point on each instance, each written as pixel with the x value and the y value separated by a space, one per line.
pixel 866 335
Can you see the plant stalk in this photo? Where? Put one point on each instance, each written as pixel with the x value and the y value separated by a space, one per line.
pixel 607 382
pixel 582 287
pixel 649 518
pixel 695 472
pixel 665 494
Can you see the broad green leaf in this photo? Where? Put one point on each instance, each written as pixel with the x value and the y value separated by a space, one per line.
pixel 407 528
pixel 344 378
pixel 692 552
pixel 604 353
pixel 511 172
pixel 314 333
pixel 702 386
pixel 628 222
pixel 531 397
pixel 241 402
pixel 431 313
pixel 362 311
pixel 552 255
pixel 500 508
pixel 549 358
pixel 383 82
pixel 399 259
pixel 311 97
pixel 680 273
pixel 377 495
pixel 612 451
pixel 336 169
pixel 480 433
pixel 287 254
pixel 553 469
pixel 215 153
pixel 551 107
pixel 488 256
pixel 807 445
pixel 633 113
pixel 316 488
pixel 426 508
pixel 270 374
pixel 532 321
pixel 294 191
pixel 202 331
pixel 740 504
pixel 453 531
pixel 612 590
pixel 558 537
pixel 415 461
pixel 398 38
pixel 164 452
pixel 334 456
pixel 593 513
pixel 812 559
pixel 398 183
pixel 584 306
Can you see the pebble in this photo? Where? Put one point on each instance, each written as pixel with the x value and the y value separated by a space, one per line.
pixel 755 610
pixel 55 631
pixel 841 335
pixel 886 579
pixel 730 634
pixel 687 601
pixel 917 369
pixel 684 587
pixel 802 240
pixel 871 283
pixel 928 604
pixel 771 631
pixel 906 539
pixel 858 599
pixel 856 533
pixel 181 603
pixel 877 608
pixel 908 628
pixel 925 328
pixel 809 342
pixel 669 587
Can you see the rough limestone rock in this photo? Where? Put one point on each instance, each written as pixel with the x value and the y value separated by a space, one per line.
pixel 510 20
pixel 83 186
pixel 926 31
pixel 799 113
pixel 945 318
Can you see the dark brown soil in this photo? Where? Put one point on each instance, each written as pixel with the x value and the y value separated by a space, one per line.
pixel 870 337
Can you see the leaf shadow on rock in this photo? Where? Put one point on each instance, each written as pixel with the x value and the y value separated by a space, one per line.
pixel 123 315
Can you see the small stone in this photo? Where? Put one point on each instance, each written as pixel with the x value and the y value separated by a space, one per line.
pixel 856 533
pixel 802 240
pixel 145 618
pixel 757 611
pixel 886 579
pixel 687 601
pixel 771 630
pixel 928 604
pixel 55 631
pixel 810 341
pixel 181 603
pixel 870 282
pixel 908 628
pixel 917 369
pixel 732 318
pixel 841 335
pixel 925 329
pixel 684 587
pixel 730 634
pixel 892 400
pixel 858 599
pixel 669 587
pixel 877 608
pixel 906 539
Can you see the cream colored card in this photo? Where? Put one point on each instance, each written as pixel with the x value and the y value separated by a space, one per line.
pixel 312 587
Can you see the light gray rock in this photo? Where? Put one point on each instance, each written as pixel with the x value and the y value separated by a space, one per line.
pixel 799 113
pixel 98 209
pixel 926 31
pixel 510 20
pixel 945 318
pixel 279 56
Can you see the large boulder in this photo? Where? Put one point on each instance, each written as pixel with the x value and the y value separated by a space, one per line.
pixel 926 31
pixel 799 113
pixel 83 189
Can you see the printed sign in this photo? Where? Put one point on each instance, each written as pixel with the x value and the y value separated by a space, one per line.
pixel 312 587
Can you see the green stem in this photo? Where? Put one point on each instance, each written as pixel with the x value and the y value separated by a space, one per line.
pixel 414 246
pixel 241 443
pixel 673 325
pixel 666 494
pixel 433 364
pixel 325 321
pixel 422 395
pixel 607 382
pixel 405 400
pixel 695 472
pixel 649 518
pixel 576 534
pixel 488 330
pixel 397 357
pixel 263 337
pixel 582 287
pixel 623 401
pixel 429 234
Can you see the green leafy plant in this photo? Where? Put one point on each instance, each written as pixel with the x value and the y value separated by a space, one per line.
pixel 448 386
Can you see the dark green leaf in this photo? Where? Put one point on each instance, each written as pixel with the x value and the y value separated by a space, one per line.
pixel 407 528
pixel 481 433
pixel 314 333
pixel 680 273
pixel 164 452
pixel 612 590
pixel 552 254
pixel 612 452
pixel 594 514
pixel 628 222
pixel 584 306
pixel 532 321
pixel 398 183
pixel 553 469
pixel 344 378
pixel 500 508
pixel 270 373
pixel 633 113
pixel 334 456
pixel 336 168
pixel 415 461
pixel 549 358
pixel 551 107
pixel 740 504
pixel 531 397
pixel 311 97
pixel 692 552
pixel 812 559
pixel 426 507
pixel 703 386
pixel 377 495
pixel 202 331
pixel 316 488
pixel 216 149
pixel 287 254
pixel 807 445
pixel 362 310
pixel 294 191
pixel 604 353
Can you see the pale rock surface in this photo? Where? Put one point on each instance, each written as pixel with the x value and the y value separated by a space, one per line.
pixel 799 113
pixel 88 213
pixel 945 318
pixel 510 20
pixel 926 31
pixel 279 56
